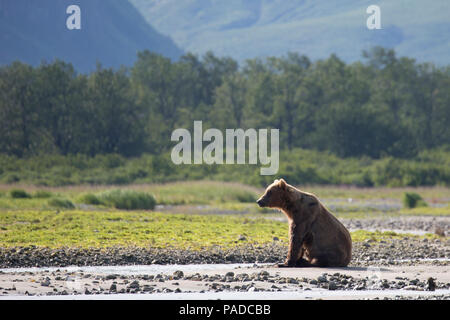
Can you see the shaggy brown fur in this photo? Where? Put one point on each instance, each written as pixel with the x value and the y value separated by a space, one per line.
pixel 316 237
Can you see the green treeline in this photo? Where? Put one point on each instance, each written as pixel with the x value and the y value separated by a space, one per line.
pixel 382 107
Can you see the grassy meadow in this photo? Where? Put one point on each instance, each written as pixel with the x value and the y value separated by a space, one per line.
pixel 79 216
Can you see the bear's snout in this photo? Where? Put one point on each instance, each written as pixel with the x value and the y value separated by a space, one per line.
pixel 261 203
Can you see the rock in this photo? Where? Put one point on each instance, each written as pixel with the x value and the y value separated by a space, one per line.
pixel 322 278
pixel 275 239
pixel 242 238
pixel 431 285
pixel 332 285
pixel 134 285
pixel 178 274
pixel 113 288
pixel 229 274
pixel 46 282
pixel 147 288
pixel 360 286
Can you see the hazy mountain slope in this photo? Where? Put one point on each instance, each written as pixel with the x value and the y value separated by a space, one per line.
pixel 111 32
pixel 257 28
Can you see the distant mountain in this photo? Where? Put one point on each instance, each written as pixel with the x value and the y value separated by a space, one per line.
pixel 112 32
pixel 257 28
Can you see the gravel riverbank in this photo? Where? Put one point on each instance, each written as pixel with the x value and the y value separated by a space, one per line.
pixel 401 251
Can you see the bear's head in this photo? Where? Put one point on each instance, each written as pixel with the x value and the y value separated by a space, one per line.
pixel 275 195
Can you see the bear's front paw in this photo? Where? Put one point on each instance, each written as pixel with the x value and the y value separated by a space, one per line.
pixel 286 265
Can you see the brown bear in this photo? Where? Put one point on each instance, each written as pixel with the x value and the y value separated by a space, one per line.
pixel 316 237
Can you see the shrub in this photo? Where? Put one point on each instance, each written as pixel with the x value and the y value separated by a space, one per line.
pixel 19 194
pixel 413 200
pixel 42 194
pixel 246 196
pixel 128 199
pixel 90 198
pixel 61 203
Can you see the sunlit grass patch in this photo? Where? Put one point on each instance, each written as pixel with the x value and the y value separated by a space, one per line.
pixel 203 192
pixel 148 229
pixel 127 199
pixel 101 229
pixel 362 235
pixel 61 203
pixel 427 211
pixel 367 193
pixel 7 203
pixel 42 194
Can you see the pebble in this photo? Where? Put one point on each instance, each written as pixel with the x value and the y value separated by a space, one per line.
pixel 363 253
pixel 332 285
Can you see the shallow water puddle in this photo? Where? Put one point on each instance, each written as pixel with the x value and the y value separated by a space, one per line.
pixel 171 268
pixel 398 231
pixel 141 269
pixel 291 295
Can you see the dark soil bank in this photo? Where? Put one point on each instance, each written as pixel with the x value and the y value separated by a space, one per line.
pixel 364 253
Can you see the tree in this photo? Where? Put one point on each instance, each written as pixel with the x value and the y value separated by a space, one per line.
pixel 117 121
pixel 18 110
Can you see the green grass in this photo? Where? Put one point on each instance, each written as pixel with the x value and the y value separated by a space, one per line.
pixel 190 192
pixel 7 203
pixel 426 211
pixel 127 199
pixel 203 192
pixel 61 203
pixel 146 229
pixel 362 235
pixel 102 229
pixel 232 197
pixel 56 217
pixel 42 194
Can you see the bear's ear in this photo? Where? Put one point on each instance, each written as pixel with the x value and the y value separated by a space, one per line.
pixel 282 184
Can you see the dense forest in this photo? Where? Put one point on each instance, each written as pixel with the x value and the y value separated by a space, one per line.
pixel 384 106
